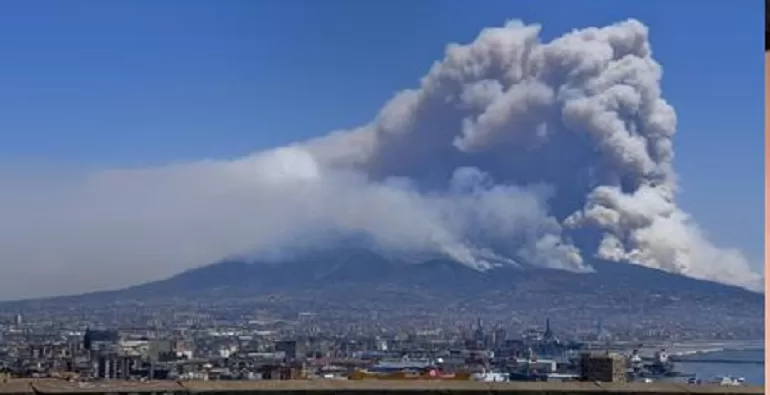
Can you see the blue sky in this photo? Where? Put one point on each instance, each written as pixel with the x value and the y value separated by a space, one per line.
pixel 132 83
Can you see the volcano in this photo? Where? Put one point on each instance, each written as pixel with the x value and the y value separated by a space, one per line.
pixel 364 280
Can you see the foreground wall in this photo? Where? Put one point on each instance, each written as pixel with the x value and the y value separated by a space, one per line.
pixel 323 387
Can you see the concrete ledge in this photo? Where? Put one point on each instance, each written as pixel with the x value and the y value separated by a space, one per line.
pixel 116 386
pixel 323 387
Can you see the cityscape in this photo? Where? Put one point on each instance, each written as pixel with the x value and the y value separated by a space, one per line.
pixel 171 343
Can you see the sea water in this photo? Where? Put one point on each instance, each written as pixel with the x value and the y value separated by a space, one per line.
pixel 706 371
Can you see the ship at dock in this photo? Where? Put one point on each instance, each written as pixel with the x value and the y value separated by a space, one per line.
pixel 660 366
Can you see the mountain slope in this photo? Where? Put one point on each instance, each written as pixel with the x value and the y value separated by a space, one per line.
pixel 361 281
pixel 361 277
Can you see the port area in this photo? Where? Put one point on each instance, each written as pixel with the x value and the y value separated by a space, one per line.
pixel 678 349
pixel 686 351
pixel 114 387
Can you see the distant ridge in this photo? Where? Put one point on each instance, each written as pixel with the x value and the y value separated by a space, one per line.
pixel 334 274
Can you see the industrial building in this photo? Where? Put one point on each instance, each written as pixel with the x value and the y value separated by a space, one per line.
pixel 604 367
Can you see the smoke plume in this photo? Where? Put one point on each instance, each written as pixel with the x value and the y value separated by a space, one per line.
pixel 510 151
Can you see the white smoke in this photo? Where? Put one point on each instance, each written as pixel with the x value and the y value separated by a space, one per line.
pixel 510 151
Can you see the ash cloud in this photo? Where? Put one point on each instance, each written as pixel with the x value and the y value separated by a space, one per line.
pixel 510 151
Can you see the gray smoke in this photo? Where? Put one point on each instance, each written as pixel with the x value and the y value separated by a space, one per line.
pixel 510 151
pixel 582 114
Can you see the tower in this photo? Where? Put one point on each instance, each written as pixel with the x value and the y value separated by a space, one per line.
pixel 599 328
pixel 548 334
pixel 479 332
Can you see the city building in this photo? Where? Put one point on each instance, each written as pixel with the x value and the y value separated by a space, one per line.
pixel 605 367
